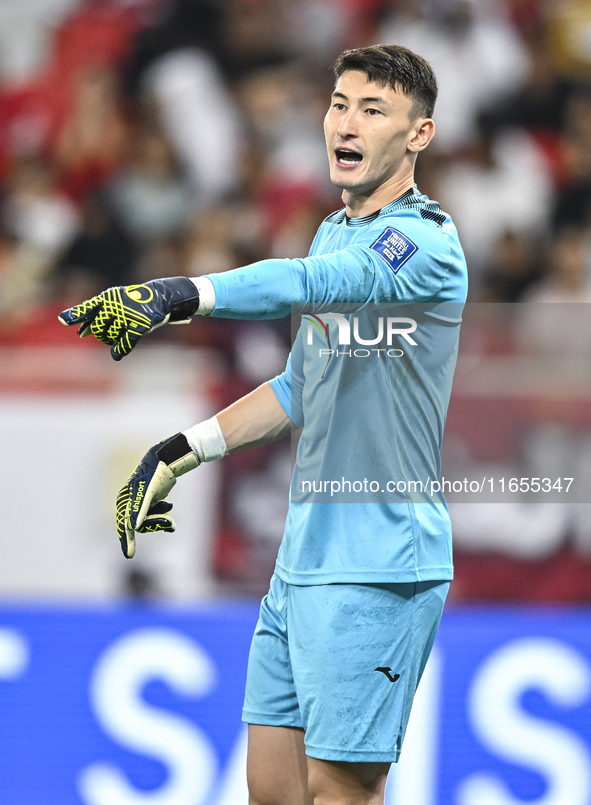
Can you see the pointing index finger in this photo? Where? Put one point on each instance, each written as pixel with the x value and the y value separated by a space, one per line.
pixel 82 313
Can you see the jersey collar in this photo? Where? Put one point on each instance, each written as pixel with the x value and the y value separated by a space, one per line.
pixel 367 219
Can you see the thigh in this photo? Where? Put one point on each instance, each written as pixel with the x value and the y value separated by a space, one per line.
pixel 357 654
pixel 270 698
pixel 344 783
pixel 277 766
pixel 279 773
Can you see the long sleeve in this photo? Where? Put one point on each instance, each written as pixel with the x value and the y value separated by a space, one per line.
pixel 357 274
pixel 272 289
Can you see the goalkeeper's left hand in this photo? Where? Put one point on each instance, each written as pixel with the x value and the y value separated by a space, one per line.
pixel 119 316
pixel 140 504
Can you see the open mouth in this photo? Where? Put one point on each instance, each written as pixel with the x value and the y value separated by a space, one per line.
pixel 347 158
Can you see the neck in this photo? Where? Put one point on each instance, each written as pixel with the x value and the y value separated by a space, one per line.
pixel 359 204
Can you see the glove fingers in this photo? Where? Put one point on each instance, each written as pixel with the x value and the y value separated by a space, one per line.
pixel 82 313
pixel 127 341
pixel 125 534
pixel 129 549
pixel 84 330
pixel 157 522
pixel 160 508
pixel 146 490
pixel 104 328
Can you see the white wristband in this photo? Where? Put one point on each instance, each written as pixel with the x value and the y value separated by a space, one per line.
pixel 207 440
pixel 206 295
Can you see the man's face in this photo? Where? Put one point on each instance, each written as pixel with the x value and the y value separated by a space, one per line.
pixel 367 128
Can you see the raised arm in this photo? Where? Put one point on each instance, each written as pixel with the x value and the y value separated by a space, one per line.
pixel 269 289
pixel 414 270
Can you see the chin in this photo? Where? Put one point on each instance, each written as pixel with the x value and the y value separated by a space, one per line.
pixel 343 183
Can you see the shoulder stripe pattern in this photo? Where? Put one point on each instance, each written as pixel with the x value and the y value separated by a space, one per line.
pixel 431 215
pixel 429 210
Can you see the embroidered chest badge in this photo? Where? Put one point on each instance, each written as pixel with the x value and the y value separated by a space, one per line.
pixel 394 248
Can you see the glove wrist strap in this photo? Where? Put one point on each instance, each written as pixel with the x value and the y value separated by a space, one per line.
pixel 177 454
pixel 206 295
pixel 184 297
pixel 207 440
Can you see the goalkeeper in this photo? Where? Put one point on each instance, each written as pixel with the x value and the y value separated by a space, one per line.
pixel 361 578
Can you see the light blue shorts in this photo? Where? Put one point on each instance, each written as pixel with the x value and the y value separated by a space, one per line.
pixel 342 661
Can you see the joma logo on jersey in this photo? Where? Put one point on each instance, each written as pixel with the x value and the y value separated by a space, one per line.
pixel 394 326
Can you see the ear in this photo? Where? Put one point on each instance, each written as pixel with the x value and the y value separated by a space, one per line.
pixel 424 131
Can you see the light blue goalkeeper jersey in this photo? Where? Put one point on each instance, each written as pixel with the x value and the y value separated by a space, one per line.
pixel 368 381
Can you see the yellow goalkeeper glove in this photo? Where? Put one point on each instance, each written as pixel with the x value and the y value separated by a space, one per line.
pixel 120 316
pixel 140 503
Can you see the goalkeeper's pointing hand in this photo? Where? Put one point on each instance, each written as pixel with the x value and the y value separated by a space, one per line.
pixel 140 504
pixel 120 316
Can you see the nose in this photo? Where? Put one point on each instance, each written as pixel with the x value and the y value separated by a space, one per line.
pixel 347 125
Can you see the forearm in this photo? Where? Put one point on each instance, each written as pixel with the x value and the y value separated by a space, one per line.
pixel 254 420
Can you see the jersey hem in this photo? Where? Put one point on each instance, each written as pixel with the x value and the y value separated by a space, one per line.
pixel 442 573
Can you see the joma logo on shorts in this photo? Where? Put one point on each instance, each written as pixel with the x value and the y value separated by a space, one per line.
pixel 386 672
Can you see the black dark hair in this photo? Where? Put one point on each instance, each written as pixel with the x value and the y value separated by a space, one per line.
pixel 396 67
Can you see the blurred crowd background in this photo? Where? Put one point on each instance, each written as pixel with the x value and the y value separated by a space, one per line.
pixel 150 138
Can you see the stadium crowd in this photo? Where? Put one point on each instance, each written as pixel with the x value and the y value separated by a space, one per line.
pixel 150 138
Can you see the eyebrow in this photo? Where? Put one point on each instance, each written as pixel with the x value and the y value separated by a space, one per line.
pixel 368 99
